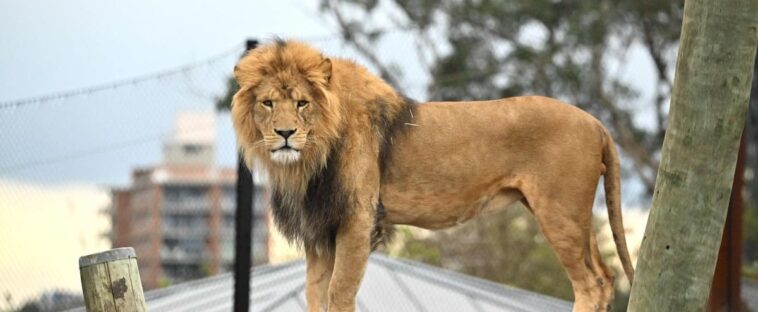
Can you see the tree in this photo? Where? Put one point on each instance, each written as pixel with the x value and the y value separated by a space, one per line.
pixel 496 48
pixel 224 102
pixel 507 247
pixel 750 225
pixel 751 155
pixel 708 110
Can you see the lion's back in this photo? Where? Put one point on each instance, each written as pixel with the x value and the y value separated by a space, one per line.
pixel 524 116
pixel 455 148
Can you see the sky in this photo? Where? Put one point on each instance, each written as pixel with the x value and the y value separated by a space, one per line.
pixel 55 46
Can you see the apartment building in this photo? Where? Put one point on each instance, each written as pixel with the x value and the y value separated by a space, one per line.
pixel 179 215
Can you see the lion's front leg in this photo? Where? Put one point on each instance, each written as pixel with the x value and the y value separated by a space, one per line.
pixel 351 256
pixel 318 275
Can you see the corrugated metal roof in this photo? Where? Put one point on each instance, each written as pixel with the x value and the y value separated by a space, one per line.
pixel 750 293
pixel 389 285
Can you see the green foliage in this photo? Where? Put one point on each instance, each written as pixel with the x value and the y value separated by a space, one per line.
pixel 750 232
pixel 205 269
pixel 164 282
pixel 416 249
pixel 31 307
pixel 507 247
pixel 490 49
pixel 224 103
pixel 750 270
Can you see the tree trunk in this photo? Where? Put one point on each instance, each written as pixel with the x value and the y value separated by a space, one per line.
pixel 708 107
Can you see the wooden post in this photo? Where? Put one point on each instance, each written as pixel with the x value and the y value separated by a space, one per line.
pixel 708 107
pixel 725 290
pixel 111 282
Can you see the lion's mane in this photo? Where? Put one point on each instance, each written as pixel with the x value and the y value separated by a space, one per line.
pixel 310 199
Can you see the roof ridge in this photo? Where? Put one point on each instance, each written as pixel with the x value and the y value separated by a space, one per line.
pixel 474 285
pixel 426 286
pixel 290 294
pixel 160 292
pixel 296 273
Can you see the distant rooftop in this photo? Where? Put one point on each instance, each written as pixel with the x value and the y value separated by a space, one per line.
pixel 389 285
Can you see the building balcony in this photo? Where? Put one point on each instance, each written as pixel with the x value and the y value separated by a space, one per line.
pixel 181 256
pixel 185 232
pixel 228 204
pixel 199 206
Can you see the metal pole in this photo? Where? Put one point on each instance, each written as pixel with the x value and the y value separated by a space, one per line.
pixel 243 226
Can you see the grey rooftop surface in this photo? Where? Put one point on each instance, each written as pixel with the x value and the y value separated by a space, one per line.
pixel 750 293
pixel 392 285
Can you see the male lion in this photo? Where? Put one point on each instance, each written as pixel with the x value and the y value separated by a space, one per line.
pixel 346 155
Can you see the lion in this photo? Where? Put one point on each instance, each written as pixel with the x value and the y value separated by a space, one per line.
pixel 348 156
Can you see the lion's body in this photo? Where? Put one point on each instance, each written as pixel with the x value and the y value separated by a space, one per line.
pixel 459 159
pixel 361 155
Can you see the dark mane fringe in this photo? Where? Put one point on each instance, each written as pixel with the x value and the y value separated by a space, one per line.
pixel 393 127
pixel 389 128
pixel 314 219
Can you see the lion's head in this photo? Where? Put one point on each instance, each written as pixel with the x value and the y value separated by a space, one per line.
pixel 294 113
pixel 285 113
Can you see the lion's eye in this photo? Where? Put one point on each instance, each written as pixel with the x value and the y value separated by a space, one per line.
pixel 302 103
pixel 268 103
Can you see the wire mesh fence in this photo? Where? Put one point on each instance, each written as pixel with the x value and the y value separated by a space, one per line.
pixel 147 162
pixel 144 162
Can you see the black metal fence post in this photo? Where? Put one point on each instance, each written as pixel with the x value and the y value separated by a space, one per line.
pixel 243 227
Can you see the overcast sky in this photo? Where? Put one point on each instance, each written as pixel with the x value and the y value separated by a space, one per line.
pixel 52 46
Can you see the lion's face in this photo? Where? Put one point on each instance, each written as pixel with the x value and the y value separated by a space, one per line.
pixel 284 111
pixel 284 114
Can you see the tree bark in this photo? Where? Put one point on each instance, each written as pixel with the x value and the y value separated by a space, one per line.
pixel 708 108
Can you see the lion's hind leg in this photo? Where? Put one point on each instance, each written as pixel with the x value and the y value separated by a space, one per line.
pixel 604 275
pixel 568 228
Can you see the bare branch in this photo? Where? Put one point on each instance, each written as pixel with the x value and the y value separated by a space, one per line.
pixel 622 123
pixel 364 49
pixel 661 69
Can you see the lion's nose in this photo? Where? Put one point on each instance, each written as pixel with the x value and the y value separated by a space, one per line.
pixel 285 133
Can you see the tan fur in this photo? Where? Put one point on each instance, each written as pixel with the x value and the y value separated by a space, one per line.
pixel 452 162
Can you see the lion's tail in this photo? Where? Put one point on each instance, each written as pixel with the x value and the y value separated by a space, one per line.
pixel 613 201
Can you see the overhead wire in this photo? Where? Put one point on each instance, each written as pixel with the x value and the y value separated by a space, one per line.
pixel 130 82
pixel 95 150
pixel 119 83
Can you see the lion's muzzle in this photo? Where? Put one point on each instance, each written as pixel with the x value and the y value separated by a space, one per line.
pixel 288 150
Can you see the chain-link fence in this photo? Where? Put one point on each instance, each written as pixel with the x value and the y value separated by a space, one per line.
pixel 145 162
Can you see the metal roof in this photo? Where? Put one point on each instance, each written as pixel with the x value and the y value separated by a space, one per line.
pixel 749 289
pixel 389 285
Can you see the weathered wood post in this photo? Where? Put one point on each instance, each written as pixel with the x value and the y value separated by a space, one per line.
pixel 111 282
pixel 708 107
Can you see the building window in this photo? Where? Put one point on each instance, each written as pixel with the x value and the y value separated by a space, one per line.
pixel 192 149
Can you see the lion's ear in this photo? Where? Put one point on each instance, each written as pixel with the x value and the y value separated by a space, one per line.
pixel 326 69
pixel 236 71
pixel 321 73
pixel 238 76
pixel 246 76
